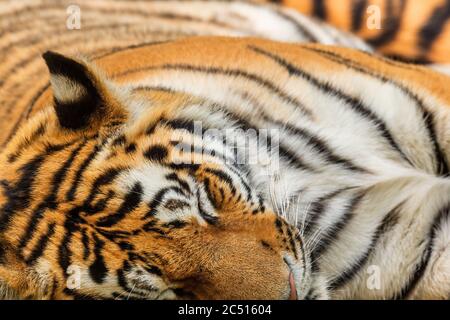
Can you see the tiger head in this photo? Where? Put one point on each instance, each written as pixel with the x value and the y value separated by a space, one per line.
pixel 97 201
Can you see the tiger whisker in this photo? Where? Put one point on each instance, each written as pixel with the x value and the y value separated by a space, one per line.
pixel 314 239
pixel 131 291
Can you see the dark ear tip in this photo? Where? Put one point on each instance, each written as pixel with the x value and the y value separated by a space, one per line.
pixel 54 61
pixel 57 63
pixel 50 56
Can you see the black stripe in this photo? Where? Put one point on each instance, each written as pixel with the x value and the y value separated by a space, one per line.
pixel 82 296
pixel 101 203
pixel 98 270
pixel 142 288
pixel 223 177
pixel 154 270
pixel 358 8
pixel 426 115
pixel 242 176
pixel 212 220
pixel 311 295
pixel 131 148
pixel 156 153
pixel 321 147
pixel 356 104
pixel 318 207
pixel 184 294
pixel 190 167
pixel 2 254
pixel 319 9
pixel 417 60
pixel 130 47
pixel 183 184
pixel 41 244
pixel 71 225
pixel 131 202
pixel 227 72
pixel 113 235
pixel 302 29
pixel 122 280
pixel 209 193
pixel 442 217
pixel 125 246
pixel 279 225
pixel 302 246
pixel 434 27
pixel 388 222
pixel 120 141
pixel 292 242
pixel 179 124
pixel 391 24
pixel 55 285
pixel 106 178
pixel 26 143
pixel 85 242
pixel 149 228
pixel 18 196
pixel 159 196
pixel 330 235
pixel 176 224
pixel 394 63
pixel 201 151
pixel 70 196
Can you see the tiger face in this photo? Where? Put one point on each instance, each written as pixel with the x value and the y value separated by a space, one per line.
pixel 97 202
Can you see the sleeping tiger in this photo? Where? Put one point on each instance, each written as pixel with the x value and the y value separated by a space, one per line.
pixel 330 182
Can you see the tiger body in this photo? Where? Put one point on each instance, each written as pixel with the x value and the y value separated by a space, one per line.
pixel 361 176
pixel 410 30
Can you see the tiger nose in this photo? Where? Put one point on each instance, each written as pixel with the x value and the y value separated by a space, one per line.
pixel 293 294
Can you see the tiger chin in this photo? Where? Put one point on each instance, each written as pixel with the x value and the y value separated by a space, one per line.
pixel 95 205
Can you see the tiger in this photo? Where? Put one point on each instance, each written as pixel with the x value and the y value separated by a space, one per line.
pixel 116 187
pixel 409 30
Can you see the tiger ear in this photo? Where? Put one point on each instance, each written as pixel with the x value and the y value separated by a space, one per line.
pixel 81 98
